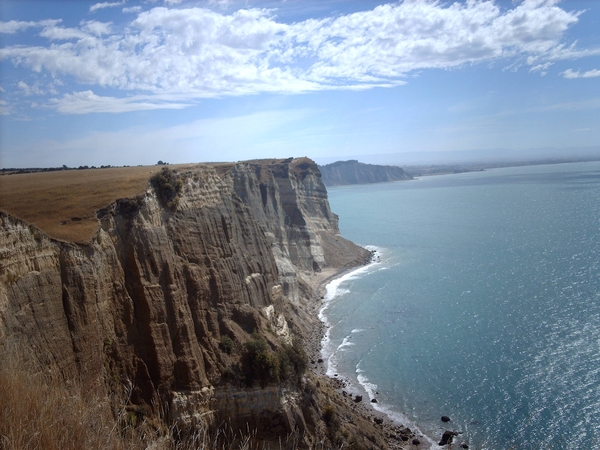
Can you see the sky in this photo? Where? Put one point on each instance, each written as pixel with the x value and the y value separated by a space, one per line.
pixel 132 82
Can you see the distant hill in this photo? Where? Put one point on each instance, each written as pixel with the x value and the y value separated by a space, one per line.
pixel 353 172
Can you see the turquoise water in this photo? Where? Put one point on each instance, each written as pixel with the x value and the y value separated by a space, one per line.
pixel 484 305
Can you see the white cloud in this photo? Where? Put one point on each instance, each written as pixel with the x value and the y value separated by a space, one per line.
pixel 198 53
pixel 13 26
pixel 133 9
pixel 29 90
pixel 172 2
pixel 541 68
pixel 591 74
pixel 103 5
pixel 96 28
pixel 569 73
pixel 62 34
pixel 87 102
pixel 220 3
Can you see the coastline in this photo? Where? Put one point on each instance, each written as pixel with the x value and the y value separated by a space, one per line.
pixel 397 435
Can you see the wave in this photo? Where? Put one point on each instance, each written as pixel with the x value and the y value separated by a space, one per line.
pixel 334 290
pixel 330 352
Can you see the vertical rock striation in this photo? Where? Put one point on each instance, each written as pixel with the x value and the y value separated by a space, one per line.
pixel 151 297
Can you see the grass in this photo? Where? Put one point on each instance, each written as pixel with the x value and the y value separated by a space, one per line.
pixel 63 204
pixel 39 411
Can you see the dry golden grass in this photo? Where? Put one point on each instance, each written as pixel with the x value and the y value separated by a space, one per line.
pixel 37 412
pixel 51 200
pixel 40 412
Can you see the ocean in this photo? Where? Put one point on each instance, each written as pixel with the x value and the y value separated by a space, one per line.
pixel 483 304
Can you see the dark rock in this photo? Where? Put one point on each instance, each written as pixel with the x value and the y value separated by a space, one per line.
pixel 378 420
pixel 447 437
pixel 463 445
pixel 374 400
pixel 445 419
pixel 320 360
pixel 416 442
pixel 358 399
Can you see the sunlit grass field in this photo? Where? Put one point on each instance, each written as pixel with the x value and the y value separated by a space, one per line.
pixel 63 204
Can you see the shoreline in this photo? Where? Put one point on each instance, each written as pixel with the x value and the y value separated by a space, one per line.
pixel 397 434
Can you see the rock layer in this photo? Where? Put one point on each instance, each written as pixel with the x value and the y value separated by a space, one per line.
pixel 149 299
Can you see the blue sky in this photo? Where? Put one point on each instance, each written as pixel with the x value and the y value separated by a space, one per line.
pixel 132 82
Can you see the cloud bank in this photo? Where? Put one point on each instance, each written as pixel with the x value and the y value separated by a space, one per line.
pixel 173 56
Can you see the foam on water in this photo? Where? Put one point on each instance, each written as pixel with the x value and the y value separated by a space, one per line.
pixel 334 291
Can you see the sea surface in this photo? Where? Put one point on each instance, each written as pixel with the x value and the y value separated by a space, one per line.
pixel 483 304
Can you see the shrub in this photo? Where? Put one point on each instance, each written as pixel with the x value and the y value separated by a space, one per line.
pixel 167 186
pixel 226 344
pixel 329 416
pixel 293 362
pixel 259 363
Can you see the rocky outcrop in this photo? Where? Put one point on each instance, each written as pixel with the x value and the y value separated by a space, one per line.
pixel 149 300
pixel 353 172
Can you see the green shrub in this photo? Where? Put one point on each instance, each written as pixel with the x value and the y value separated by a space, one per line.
pixel 259 363
pixel 167 186
pixel 226 344
pixel 293 362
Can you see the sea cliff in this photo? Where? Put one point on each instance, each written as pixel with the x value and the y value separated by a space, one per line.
pixel 342 173
pixel 175 289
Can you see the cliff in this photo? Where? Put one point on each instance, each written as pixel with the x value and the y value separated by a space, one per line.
pixel 179 289
pixel 353 172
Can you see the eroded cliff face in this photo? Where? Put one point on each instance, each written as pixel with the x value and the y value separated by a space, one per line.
pixel 151 297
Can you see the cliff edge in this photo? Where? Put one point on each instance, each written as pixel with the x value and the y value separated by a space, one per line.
pixel 195 294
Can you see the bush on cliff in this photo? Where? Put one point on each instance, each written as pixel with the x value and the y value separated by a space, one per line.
pixel 293 361
pixel 167 186
pixel 259 363
pixel 226 344
pixel 263 365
